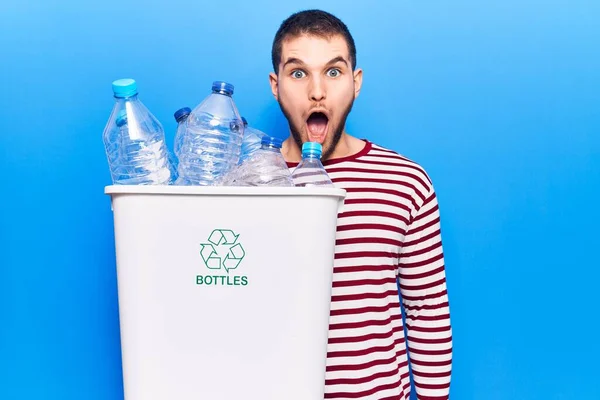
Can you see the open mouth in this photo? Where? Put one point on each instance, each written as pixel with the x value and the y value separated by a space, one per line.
pixel 317 124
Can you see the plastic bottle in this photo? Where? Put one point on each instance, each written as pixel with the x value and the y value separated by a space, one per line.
pixel 265 167
pixel 212 140
pixel 180 116
pixel 134 140
pixel 251 142
pixel 310 170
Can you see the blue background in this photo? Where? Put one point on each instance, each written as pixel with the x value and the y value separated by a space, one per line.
pixel 498 100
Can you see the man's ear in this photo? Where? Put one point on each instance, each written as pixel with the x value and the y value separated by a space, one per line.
pixel 273 81
pixel 358 75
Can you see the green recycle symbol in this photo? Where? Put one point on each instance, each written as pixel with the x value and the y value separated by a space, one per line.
pixel 222 242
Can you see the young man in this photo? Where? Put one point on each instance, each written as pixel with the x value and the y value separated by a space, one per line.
pixel 388 231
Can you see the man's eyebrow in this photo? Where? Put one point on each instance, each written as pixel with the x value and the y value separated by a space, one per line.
pixel 293 60
pixel 337 59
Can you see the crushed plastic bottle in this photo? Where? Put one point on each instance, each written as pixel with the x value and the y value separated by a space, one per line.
pixel 265 167
pixel 252 141
pixel 212 140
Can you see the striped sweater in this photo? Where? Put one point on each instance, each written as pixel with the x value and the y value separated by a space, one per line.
pixel 388 252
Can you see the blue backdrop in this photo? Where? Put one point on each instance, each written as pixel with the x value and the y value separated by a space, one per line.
pixel 499 100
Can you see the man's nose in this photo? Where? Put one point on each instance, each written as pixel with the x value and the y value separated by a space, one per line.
pixel 317 90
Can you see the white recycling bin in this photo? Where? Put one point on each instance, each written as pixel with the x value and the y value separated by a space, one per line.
pixel 224 292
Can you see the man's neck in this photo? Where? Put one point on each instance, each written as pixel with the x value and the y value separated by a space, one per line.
pixel 347 146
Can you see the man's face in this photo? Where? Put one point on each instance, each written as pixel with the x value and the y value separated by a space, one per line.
pixel 316 87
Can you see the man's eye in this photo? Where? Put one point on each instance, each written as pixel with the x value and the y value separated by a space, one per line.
pixel 334 73
pixel 298 74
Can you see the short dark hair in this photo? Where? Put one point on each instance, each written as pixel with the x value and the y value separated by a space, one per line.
pixel 311 22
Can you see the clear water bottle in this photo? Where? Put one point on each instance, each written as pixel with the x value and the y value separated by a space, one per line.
pixel 252 141
pixel 265 167
pixel 181 116
pixel 212 139
pixel 310 170
pixel 134 140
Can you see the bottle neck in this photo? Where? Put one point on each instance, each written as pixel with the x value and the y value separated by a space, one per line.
pixel 222 92
pixel 126 99
pixel 311 156
pixel 269 147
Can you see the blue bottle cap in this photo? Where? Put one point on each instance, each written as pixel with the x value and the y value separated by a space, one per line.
pixel 121 118
pixel 123 88
pixel 244 121
pixel 222 87
pixel 271 141
pixel 312 148
pixel 182 114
